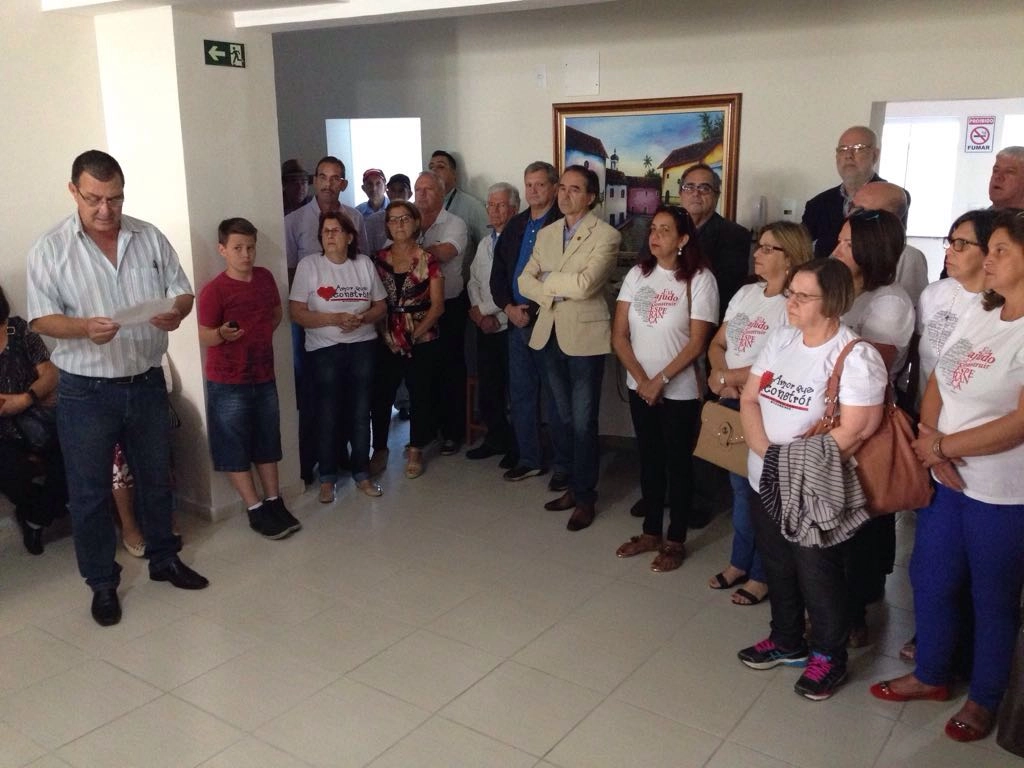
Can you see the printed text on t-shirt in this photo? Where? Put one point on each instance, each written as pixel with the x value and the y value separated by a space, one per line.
pixel 789 395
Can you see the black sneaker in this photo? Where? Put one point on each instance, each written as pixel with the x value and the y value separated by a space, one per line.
pixel 266 524
pixel 559 482
pixel 766 655
pixel 821 678
pixel 276 508
pixel 483 451
pixel 521 473
pixel 509 460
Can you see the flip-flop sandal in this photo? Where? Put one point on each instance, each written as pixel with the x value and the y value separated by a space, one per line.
pixel 750 597
pixel 723 583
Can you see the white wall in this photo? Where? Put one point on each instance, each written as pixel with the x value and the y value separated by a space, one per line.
pixel 805 71
pixel 51 112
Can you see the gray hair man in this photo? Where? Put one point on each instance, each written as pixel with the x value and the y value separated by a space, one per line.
pixel 1006 185
pixel 857 153
pixel 491 328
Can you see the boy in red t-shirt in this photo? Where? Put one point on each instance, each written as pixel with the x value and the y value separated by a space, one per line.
pixel 238 312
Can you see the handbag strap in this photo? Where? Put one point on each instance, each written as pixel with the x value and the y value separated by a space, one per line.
pixel 832 389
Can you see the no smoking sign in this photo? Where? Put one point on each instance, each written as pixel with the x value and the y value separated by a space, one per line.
pixel 980 132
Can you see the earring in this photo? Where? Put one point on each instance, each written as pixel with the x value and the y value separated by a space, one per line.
pixel 679 252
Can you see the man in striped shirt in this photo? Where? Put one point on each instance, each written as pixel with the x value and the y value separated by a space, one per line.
pixel 84 276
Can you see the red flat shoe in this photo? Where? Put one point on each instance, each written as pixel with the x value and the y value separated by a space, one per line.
pixel 884 692
pixel 958 730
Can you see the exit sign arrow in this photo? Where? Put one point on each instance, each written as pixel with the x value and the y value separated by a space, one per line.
pixel 218 53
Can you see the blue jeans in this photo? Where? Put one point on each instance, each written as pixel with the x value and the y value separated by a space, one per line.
pixel 528 391
pixel 744 545
pixel 575 382
pixel 960 540
pixel 92 415
pixel 343 376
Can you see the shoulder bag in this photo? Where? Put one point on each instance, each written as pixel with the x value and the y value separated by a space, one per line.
pixel 889 471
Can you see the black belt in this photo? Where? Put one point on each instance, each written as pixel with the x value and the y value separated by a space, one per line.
pixel 130 379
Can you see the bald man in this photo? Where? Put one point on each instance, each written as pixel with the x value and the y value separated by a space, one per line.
pixel 1006 185
pixel 857 153
pixel 912 269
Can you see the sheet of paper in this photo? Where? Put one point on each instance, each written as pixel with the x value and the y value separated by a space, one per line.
pixel 141 313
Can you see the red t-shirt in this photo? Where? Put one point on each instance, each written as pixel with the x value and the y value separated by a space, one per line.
pixel 250 360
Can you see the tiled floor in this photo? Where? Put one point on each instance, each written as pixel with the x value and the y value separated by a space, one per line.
pixel 452 622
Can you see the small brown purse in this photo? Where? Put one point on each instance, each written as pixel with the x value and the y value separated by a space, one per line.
pixel 886 465
pixel 721 438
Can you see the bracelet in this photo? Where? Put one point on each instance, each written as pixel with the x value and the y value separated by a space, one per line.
pixel 220 333
pixel 665 379
pixel 937 448
pixel 721 379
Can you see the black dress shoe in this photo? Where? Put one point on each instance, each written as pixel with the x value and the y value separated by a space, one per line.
pixel 562 503
pixel 559 482
pixel 638 509
pixel 31 537
pixel 180 576
pixel 106 608
pixel 509 461
pixel 582 517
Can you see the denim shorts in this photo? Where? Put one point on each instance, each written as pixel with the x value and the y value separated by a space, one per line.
pixel 244 425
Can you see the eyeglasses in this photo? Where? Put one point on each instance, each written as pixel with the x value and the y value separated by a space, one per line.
pixel 704 189
pixel 329 231
pixel 767 249
pixel 854 149
pixel 800 298
pixel 95 201
pixel 958 244
pixel 403 219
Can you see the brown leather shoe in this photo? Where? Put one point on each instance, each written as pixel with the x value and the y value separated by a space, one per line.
pixel 637 545
pixel 670 557
pixel 582 517
pixel 562 503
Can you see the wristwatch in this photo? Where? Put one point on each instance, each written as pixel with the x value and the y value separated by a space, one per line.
pixel 721 379
pixel 665 379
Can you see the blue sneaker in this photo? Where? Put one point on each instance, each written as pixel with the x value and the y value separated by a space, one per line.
pixel 766 655
pixel 821 678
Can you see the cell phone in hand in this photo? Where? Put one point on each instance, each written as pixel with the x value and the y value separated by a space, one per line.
pixel 232 324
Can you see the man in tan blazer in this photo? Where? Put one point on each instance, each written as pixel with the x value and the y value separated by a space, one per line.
pixel 566 276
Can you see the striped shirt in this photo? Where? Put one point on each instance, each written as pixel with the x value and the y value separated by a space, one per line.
pixel 69 275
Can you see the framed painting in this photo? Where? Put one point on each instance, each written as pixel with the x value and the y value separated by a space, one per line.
pixel 641 148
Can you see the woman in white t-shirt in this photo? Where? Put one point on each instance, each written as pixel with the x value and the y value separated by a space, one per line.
pixel 755 310
pixel 972 437
pixel 664 316
pixel 870 244
pixel 783 398
pixel 337 297
pixel 944 302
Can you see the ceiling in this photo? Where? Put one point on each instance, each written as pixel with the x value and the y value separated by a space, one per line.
pixel 283 15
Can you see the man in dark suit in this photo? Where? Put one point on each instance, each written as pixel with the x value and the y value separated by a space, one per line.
pixel 526 383
pixel 727 246
pixel 725 243
pixel 857 154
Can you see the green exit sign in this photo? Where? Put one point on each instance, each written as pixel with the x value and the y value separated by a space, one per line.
pixel 218 53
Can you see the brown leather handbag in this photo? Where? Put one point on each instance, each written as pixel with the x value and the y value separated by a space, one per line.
pixel 887 467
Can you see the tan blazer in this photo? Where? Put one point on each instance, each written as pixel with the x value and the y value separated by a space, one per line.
pixel 581 321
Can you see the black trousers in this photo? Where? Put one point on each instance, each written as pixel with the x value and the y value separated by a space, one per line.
pixel 800 577
pixel 664 437
pixel 422 374
pixel 451 401
pixel 37 505
pixel 492 387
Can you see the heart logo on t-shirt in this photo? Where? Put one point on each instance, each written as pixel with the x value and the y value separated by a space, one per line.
pixel 766 380
pixel 326 292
